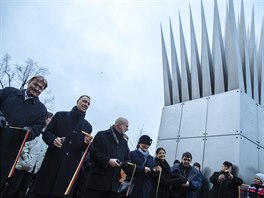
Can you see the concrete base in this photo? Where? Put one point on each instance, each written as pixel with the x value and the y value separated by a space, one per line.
pixel 227 126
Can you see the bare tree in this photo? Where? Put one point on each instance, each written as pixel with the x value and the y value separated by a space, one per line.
pixel 17 75
pixel 134 141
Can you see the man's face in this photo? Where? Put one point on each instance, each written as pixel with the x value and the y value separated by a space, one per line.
pixel 123 127
pixel 226 168
pixel 83 103
pixel 35 87
pixel 186 161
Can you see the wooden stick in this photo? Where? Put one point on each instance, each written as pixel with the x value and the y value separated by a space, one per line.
pixel 18 128
pixel 74 177
pixel 85 133
pixel 18 154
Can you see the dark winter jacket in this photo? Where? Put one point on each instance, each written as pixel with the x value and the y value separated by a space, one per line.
pixel 19 113
pixel 166 180
pixel 102 176
pixel 60 164
pixel 143 181
pixel 228 188
pixel 194 178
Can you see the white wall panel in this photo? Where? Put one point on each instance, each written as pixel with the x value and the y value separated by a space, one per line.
pixel 193 118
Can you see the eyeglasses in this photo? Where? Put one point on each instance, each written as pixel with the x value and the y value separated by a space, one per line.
pixel 187 159
pixel 256 178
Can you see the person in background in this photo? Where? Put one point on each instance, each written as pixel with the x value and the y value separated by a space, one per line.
pixel 66 140
pixel 145 168
pixel 204 190
pixel 193 177
pixel 19 108
pixel 27 166
pixel 255 190
pixel 108 150
pixel 175 164
pixel 225 184
pixel 166 181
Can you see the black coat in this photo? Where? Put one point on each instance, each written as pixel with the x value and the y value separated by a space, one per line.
pixel 166 180
pixel 227 188
pixel 19 113
pixel 59 164
pixel 103 177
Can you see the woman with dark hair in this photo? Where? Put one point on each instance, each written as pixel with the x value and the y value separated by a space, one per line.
pixel 161 186
pixel 145 168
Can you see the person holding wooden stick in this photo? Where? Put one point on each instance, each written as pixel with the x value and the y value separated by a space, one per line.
pixel 19 109
pixel 67 142
pixel 108 150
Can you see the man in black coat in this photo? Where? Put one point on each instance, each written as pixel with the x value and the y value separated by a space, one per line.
pixel 66 143
pixel 108 150
pixel 19 108
pixel 225 184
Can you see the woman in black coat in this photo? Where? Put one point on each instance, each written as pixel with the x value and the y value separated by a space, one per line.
pixel 145 169
pixel 166 180
pixel 66 144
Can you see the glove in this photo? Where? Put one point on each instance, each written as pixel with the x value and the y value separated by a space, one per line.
pixel 2 121
pixel 30 135
pixel 27 129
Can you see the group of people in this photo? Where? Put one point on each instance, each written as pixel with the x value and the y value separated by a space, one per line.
pixel 51 156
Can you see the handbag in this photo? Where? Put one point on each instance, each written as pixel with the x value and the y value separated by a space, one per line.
pixel 126 187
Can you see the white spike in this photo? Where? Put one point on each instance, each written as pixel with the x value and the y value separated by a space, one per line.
pixel 166 73
pixel 235 76
pixel 175 72
pixel 218 54
pixel 185 71
pixel 195 64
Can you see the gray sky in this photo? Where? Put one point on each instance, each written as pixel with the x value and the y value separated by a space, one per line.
pixel 109 50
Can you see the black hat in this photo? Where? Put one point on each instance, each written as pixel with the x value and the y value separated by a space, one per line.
pixel 145 139
pixel 228 164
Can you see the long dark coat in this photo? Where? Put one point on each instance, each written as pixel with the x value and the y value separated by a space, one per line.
pixel 19 113
pixel 227 188
pixel 103 177
pixel 166 180
pixel 59 164
pixel 143 181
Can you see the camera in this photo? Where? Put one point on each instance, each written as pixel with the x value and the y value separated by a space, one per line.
pixel 226 174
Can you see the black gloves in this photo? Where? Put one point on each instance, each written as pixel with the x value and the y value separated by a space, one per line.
pixel 3 121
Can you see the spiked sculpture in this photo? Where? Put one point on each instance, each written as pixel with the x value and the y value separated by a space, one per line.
pixel 214 107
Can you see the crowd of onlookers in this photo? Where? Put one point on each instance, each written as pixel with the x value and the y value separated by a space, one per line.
pixel 50 156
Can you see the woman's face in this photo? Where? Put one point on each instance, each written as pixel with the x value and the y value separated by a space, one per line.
pixel 144 147
pixel 161 154
pixel 257 180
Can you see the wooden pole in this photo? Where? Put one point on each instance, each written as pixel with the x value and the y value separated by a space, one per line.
pixel 74 177
pixel 19 152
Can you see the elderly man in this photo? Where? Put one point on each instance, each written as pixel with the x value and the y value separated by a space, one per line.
pixel 66 141
pixel 108 150
pixel 19 108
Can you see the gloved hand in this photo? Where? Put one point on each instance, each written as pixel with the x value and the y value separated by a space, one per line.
pixel 27 129
pixel 2 121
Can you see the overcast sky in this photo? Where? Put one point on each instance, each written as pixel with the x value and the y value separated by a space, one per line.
pixel 109 50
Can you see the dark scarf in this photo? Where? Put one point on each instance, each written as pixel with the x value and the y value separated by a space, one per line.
pixel 118 134
pixel 163 164
pixel 77 114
